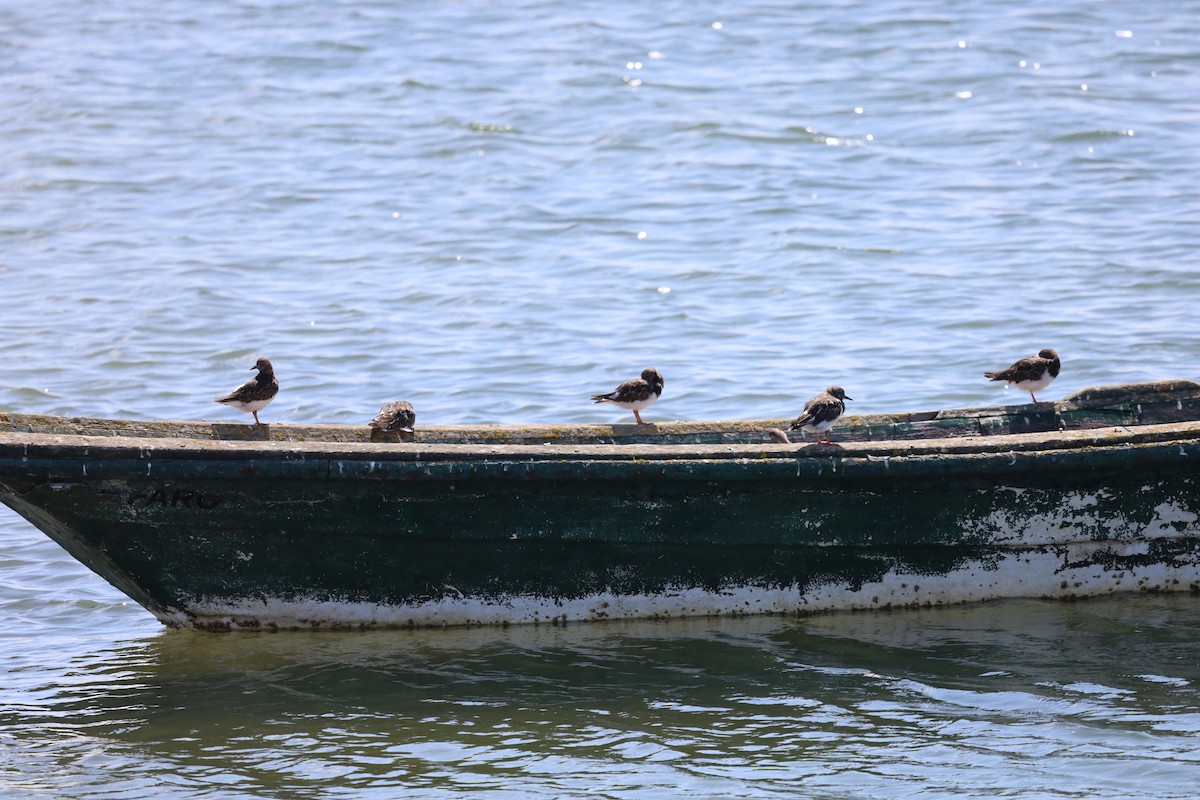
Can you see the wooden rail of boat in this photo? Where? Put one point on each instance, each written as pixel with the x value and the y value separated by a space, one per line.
pixel 1135 412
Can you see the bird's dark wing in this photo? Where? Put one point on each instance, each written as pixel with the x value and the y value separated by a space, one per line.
pixel 1027 369
pixel 822 408
pixel 251 390
pixel 396 416
pixel 628 392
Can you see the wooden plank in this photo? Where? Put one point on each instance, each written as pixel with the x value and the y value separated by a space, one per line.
pixel 1168 401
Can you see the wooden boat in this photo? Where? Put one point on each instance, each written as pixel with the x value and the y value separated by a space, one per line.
pixel 219 526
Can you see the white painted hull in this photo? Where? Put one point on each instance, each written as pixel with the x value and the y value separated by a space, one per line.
pixel 1038 573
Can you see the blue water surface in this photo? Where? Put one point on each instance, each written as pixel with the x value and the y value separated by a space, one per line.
pixel 496 209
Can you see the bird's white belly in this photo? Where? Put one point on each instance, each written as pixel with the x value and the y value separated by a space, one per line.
pixel 253 405
pixel 1034 385
pixel 818 427
pixel 636 405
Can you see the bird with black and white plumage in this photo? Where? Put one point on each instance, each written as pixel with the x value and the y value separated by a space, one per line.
pixel 395 417
pixel 1030 374
pixel 254 395
pixel 821 413
pixel 636 394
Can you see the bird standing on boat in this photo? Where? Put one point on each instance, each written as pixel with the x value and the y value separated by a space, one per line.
pixel 254 395
pixel 636 394
pixel 1030 374
pixel 393 417
pixel 821 412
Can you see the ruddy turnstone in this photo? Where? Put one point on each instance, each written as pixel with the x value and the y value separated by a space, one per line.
pixel 1030 374
pixel 636 394
pixel 253 395
pixel 398 416
pixel 821 412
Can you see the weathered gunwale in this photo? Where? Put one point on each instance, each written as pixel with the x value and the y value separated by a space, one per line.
pixel 1137 416
pixel 1145 407
pixel 97 447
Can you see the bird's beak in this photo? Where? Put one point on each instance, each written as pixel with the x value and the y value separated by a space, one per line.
pixel 848 397
pixel 255 366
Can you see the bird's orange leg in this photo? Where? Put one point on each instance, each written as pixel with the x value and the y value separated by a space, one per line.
pixel 256 422
pixel 638 417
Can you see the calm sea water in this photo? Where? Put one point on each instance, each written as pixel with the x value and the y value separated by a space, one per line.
pixel 495 209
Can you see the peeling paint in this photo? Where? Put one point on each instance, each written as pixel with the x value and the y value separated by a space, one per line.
pixel 1065 572
pixel 1171 519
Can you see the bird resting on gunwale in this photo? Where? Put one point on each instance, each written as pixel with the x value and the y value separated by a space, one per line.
pixel 393 417
pixel 636 394
pixel 254 395
pixel 821 413
pixel 1030 374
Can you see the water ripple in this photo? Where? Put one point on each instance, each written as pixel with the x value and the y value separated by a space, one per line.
pixel 496 210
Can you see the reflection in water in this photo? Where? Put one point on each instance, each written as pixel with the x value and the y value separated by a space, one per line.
pixel 1021 696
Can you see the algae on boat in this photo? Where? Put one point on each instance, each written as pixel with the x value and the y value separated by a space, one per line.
pixel 221 526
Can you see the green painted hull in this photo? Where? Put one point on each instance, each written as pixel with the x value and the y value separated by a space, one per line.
pixel 220 526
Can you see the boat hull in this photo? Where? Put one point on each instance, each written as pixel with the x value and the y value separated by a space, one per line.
pixel 220 535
